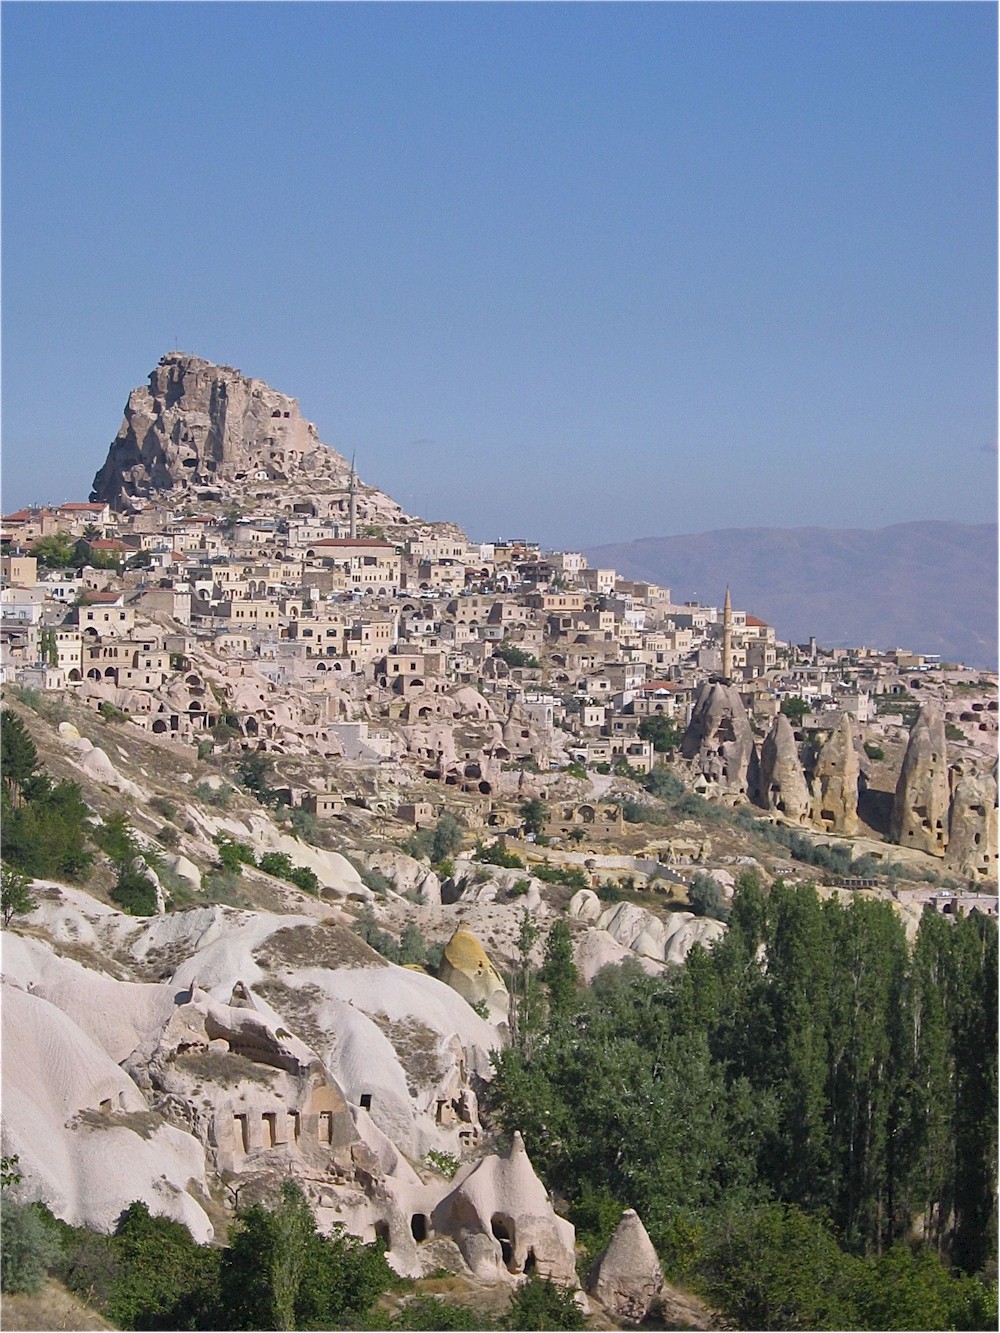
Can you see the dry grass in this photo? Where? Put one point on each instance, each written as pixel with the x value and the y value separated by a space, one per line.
pixel 225 1069
pixel 325 945
pixel 417 1047
pixel 53 1308
pixel 296 1006
pixel 143 1123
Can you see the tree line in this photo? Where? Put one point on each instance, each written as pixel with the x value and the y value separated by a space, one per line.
pixel 813 1079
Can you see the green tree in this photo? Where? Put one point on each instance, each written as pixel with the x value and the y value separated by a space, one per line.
pixel 15 894
pixel 558 972
pixel 432 1313
pixel 447 838
pixel 662 731
pixel 279 1273
pixel 774 1268
pixel 55 551
pixel 234 855
pixel 514 656
pixel 255 772
pixel 18 755
pixel 278 864
pixel 534 813
pixel 795 709
pixel 163 1277
pixel 44 828
pixel 134 891
pixel 412 945
pixel 525 1001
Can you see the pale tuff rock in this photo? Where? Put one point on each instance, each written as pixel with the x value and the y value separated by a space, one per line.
pixel 406 874
pixel 87 1140
pixel 972 825
pixel 920 808
pixel 198 425
pixel 783 786
pixel 502 1219
pixel 584 905
pixel 594 949
pixel 466 968
pixel 720 743
pixel 648 936
pixel 627 1277
pixel 835 779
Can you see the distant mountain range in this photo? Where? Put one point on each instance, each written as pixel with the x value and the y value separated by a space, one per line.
pixel 930 587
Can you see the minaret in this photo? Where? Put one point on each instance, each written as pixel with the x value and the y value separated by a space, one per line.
pixel 353 511
pixel 727 637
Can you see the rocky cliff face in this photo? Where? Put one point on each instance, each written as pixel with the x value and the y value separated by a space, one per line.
pixel 720 744
pixel 920 808
pixel 972 824
pixel 836 776
pixel 197 426
pixel 783 786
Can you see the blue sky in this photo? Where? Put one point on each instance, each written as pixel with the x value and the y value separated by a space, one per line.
pixel 582 272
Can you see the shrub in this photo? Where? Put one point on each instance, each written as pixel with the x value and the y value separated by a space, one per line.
pixel 446 839
pixel 110 713
pixel 305 879
pixel 304 823
pixel 442 1162
pixel 572 876
pixel 496 854
pixel 29 1247
pixel 874 751
pixel 539 1304
pixel 373 935
pixel 163 807
pixel 234 855
pixel 707 898
pixel 431 1312
pixel 255 771
pixel 278 864
pixel 374 879
pixel 219 797
pixel 642 812
pixel 663 784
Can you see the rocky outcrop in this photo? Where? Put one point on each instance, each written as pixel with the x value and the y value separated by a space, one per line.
pixel 466 968
pixel 720 745
pixel 783 786
pixel 972 825
pixel 835 779
pixel 627 1276
pixel 197 427
pixel 649 936
pixel 503 1221
pixel 921 805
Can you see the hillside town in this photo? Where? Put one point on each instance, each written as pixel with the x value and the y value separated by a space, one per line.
pixel 248 605
pixel 354 781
